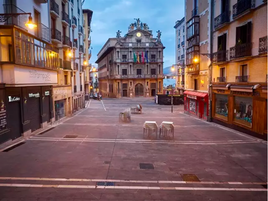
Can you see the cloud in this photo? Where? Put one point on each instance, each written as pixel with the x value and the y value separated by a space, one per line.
pixel 110 16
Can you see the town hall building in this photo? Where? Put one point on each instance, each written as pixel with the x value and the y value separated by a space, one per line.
pixel 132 65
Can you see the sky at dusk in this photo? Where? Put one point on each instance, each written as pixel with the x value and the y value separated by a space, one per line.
pixel 112 15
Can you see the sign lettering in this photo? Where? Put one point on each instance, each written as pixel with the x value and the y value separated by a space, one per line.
pixel 32 95
pixel 13 98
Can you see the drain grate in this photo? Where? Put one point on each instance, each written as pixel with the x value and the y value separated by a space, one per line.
pixel 13 147
pixel 70 136
pixel 43 132
pixel 105 183
pixel 189 177
pixel 106 162
pixel 146 166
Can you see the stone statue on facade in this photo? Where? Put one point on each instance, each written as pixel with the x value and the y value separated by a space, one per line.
pixel 138 22
pixel 145 27
pixel 131 27
pixel 158 35
pixel 118 34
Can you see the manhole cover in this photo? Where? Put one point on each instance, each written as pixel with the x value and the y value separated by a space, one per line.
pixel 189 177
pixel 146 166
pixel 70 136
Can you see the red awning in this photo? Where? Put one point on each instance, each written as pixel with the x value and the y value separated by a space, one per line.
pixel 194 93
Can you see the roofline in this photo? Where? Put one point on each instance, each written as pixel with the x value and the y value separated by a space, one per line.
pixel 104 45
pixel 89 15
pixel 179 22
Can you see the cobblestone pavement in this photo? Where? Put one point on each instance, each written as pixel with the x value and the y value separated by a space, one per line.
pixel 93 156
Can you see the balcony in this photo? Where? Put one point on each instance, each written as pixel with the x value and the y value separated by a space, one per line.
pixel 67 65
pixel 75 45
pixel 242 6
pixel 221 20
pixel 220 56
pixel 76 66
pixel 195 11
pixel 56 36
pixel 81 48
pixel 54 8
pixel 263 45
pixel 66 41
pixel 74 22
pixel 80 29
pixel 153 60
pixel 243 78
pixel 65 18
pixel 75 88
pixel 193 70
pixel 240 50
pixel 221 79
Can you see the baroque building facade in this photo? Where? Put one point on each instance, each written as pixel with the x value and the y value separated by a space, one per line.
pixel 132 65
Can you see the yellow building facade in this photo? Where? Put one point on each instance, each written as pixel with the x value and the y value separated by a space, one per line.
pixel 239 73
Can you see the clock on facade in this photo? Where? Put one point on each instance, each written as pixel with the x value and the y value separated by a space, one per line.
pixel 138 34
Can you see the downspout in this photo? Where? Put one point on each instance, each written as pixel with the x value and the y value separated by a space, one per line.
pixel 211 57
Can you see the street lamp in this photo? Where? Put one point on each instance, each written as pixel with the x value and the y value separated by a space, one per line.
pixel 30 23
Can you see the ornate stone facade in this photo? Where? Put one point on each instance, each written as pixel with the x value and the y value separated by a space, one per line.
pixel 132 65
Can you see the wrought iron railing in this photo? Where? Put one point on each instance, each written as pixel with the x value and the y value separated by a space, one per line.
pixel 74 21
pixel 56 34
pixel 193 69
pixel 221 79
pixel 221 19
pixel 243 78
pixel 263 45
pixel 66 40
pixel 67 65
pixel 241 6
pixel 220 56
pixel 75 45
pixel 80 29
pixel 65 17
pixel 54 7
pixel 81 48
pixel 240 50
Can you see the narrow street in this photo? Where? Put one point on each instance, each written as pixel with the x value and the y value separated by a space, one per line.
pixel 92 156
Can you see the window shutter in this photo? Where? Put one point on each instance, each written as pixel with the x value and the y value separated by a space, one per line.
pixel 249 27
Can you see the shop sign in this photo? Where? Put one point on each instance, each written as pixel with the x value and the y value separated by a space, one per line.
pixel 243 93
pixel 3 115
pixel 47 93
pixel 13 98
pixel 25 76
pixel 192 97
pixel 32 95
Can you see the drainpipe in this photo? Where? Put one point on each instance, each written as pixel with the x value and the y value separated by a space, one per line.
pixel 211 57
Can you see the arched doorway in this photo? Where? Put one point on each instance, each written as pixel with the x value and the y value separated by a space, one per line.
pixel 139 90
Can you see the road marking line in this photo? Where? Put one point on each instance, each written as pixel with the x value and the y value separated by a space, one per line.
pixel 137 141
pixel 130 187
pixel 103 105
pixel 131 181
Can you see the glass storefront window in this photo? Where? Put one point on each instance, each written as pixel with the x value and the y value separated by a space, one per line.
pixel 192 105
pixel 221 105
pixel 243 110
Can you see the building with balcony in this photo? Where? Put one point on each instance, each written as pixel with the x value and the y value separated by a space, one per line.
pixel 132 65
pixel 28 66
pixel 197 64
pixel 87 42
pixel 239 73
pixel 180 52
pixel 67 97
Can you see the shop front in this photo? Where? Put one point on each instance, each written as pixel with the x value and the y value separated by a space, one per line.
pixel 242 107
pixel 62 99
pixel 196 103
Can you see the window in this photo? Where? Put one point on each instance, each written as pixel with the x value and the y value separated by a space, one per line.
pixel 243 110
pixel 124 71
pixel 124 85
pixel 138 71
pixel 153 71
pixel 159 54
pixel 153 57
pixel 195 84
pixel 118 54
pixel 159 69
pixel 222 72
pixel 118 69
pixel 243 34
pixel 221 105
pixel 244 70
pixel 179 32
pixel 159 86
pixel 65 79
pixel 124 57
